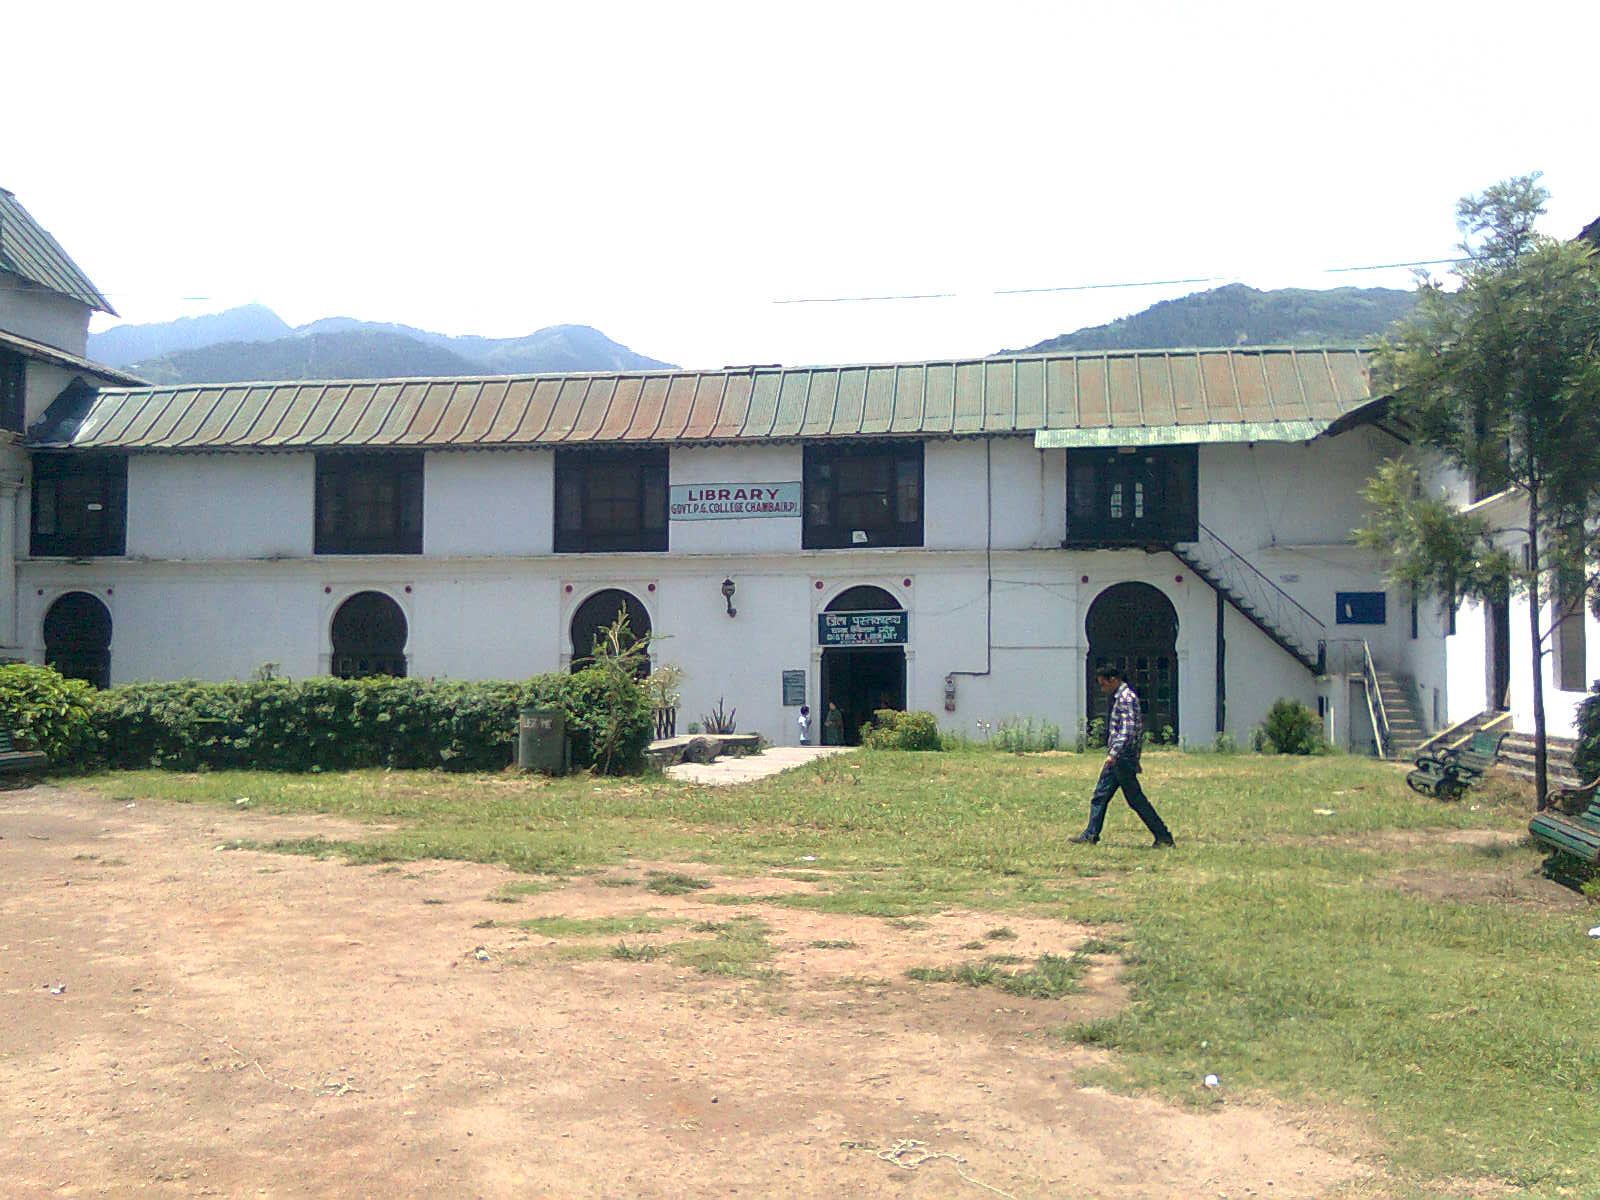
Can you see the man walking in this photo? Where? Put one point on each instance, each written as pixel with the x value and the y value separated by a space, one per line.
pixel 1124 742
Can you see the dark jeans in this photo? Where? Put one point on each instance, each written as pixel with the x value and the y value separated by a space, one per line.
pixel 1124 774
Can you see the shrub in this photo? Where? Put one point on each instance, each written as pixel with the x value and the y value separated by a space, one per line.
pixel 1586 758
pixel 1023 735
pixel 340 724
pixel 1291 728
pixel 894 730
pixel 47 712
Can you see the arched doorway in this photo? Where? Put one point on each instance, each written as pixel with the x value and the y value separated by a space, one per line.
pixel 596 614
pixel 861 678
pixel 369 637
pixel 77 638
pixel 1134 627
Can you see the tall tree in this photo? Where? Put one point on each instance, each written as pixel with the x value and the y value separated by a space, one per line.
pixel 1501 377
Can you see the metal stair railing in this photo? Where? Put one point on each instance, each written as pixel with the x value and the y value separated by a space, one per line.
pixel 1380 716
pixel 1353 656
pixel 1263 603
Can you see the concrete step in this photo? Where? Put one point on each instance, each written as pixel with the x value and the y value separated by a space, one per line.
pixel 1525 741
pixel 1555 778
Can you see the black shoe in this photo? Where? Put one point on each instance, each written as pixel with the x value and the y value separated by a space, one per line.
pixel 1084 839
pixel 1164 843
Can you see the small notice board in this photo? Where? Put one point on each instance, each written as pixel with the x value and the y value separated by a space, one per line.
pixel 794 689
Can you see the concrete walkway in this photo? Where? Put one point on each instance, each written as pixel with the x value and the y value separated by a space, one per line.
pixel 747 768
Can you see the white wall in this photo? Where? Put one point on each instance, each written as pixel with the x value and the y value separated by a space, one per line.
pixel 223 506
pixel 1028 487
pixel 487 502
pixel 41 315
pixel 1560 707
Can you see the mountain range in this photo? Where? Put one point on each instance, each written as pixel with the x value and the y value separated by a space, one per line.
pixel 253 342
pixel 1236 315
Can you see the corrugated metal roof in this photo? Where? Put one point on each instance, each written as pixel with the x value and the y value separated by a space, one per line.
pixel 27 250
pixel 29 348
pixel 1132 390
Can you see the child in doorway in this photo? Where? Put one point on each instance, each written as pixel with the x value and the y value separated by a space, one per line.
pixel 804 721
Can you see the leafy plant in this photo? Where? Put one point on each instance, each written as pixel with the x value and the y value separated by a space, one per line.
pixel 720 720
pixel 622 704
pixel 47 712
pixel 663 683
pixel 1586 758
pixel 891 729
pixel 1291 728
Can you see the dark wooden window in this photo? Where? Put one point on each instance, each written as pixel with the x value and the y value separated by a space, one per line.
pixel 863 495
pixel 610 501
pixel 369 504
pixel 80 505
pixel 369 637
pixel 77 638
pixel 1143 497
pixel 13 391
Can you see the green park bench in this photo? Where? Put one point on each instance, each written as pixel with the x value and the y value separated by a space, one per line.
pixel 1449 772
pixel 1566 827
pixel 14 760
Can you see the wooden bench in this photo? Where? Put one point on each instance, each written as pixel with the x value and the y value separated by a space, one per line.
pixel 1449 772
pixel 14 760
pixel 1566 827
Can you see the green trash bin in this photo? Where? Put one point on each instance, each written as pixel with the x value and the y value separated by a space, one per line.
pixel 542 740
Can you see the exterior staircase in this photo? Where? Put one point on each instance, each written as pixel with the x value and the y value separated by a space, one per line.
pixel 1516 758
pixel 1260 601
pixel 1406 735
pixel 1490 718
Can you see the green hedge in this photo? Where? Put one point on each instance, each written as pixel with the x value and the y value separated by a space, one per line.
pixel 341 724
pixel 1586 759
pixel 46 712
pixel 894 730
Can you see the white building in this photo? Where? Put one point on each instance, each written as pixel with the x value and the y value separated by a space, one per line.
pixel 995 527
pixel 45 303
pixel 1007 521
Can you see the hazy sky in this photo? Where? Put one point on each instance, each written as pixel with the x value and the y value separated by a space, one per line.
pixel 665 172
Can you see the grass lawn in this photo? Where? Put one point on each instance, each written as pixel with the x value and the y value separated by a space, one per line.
pixel 1320 935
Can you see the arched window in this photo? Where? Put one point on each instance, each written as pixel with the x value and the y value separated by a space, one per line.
pixel 369 637
pixel 596 614
pixel 77 638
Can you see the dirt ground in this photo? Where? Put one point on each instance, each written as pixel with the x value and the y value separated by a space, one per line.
pixel 240 1023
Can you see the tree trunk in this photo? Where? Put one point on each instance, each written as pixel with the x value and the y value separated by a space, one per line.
pixel 1541 771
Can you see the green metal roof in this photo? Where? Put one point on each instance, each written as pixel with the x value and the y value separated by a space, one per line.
pixel 1116 398
pixel 27 250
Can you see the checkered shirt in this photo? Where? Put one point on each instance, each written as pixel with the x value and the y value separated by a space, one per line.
pixel 1126 734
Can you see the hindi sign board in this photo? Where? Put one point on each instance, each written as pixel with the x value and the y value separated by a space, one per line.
pixel 723 501
pixel 862 628
pixel 794 689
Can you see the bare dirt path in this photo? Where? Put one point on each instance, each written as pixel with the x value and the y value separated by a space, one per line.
pixel 238 1023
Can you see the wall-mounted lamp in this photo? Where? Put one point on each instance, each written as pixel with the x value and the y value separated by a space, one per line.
pixel 727 594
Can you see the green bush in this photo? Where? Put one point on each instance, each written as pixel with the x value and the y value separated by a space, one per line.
pixel 1586 758
pixel 1291 728
pixel 47 712
pixel 894 730
pixel 340 724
